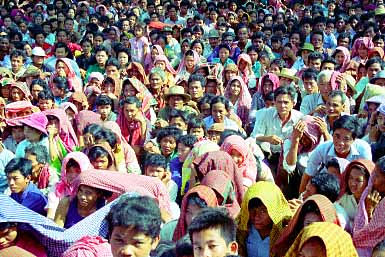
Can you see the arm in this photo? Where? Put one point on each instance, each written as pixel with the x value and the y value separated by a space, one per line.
pixel 305 179
pixel 61 211
pixel 291 157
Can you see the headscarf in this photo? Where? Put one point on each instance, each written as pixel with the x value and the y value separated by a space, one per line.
pixel 248 167
pixel 277 208
pixel 182 65
pixel 68 105
pixel 142 73
pixel 219 160
pixel 335 85
pixel 66 131
pixel 247 72
pixel 221 183
pixel 376 50
pixel 270 76
pixel 366 41
pixel 312 131
pixel 200 148
pixel 244 99
pixel 24 88
pixel 336 241
pixel 148 61
pixel 131 130
pixel 107 148
pixel 163 58
pixel 74 82
pixel 368 166
pixel 206 194
pixel 63 188
pixel 288 235
pixel 346 53
pixel 85 118
pixel 89 246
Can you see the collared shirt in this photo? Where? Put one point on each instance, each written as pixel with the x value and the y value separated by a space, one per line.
pixel 5 157
pixel 32 198
pixel 325 152
pixel 228 123
pixel 310 102
pixel 268 123
pixel 256 246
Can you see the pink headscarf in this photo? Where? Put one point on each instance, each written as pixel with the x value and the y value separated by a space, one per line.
pixel 63 188
pixel 247 72
pixel 66 132
pixel 248 167
pixel 366 41
pixel 89 246
pixel 335 85
pixel 272 77
pixel 74 82
pixel 148 61
pixel 313 132
pixel 244 99
pixel 163 58
pixel 346 53
pixel 182 65
pixel 84 118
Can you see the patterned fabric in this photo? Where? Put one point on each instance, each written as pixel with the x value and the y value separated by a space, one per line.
pixel 337 242
pixel 365 41
pixel 139 68
pixel 313 132
pixel 89 246
pixel 247 73
pixel 24 88
pixel 243 102
pixel 148 61
pixel 163 58
pixel 277 207
pixel 220 160
pixel 84 118
pixel 288 235
pixel 74 82
pixel 346 54
pixel 273 78
pixel 205 193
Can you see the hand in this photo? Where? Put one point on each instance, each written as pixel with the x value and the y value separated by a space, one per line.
pixel 298 129
pixel 52 131
pixel 167 177
pixel 151 148
pixel 321 109
pixel 274 140
pixel 341 80
pixel 83 73
pixel 139 96
pixel 294 204
pixel 362 114
pixel 321 125
pixel 159 123
pixel 371 202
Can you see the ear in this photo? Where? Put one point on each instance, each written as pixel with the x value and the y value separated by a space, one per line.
pixel 233 248
pixel 155 242
pixel 28 178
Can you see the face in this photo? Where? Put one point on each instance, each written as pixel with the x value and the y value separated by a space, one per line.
pixel 36 166
pixel 87 196
pixel 16 63
pixel 342 140
pixel 130 111
pixel 60 52
pixel 189 62
pixel 123 58
pixel 197 48
pixel 258 42
pixel 7 237
pixel 156 172
pixel 235 88
pixel 101 57
pixel 344 42
pixel 223 54
pixel 313 248
pixel 373 69
pixel 229 74
pixel 129 242
pixel 161 65
pixel 71 174
pixel 209 242
pixel 167 145
pixel 100 163
pixel 334 106
pixel 259 218
pixel 196 90
pixel 328 66
pixel 155 81
pixel 310 85
pixel 237 157
pixel 357 182
pixel 176 102
pixel 315 64
pixel 311 217
pixel 219 112
pixel 17 182
pixel 104 111
pixel 179 123
pixel 45 104
pixel 199 133
pixel 16 94
pixel 379 180
pixel 309 191
pixel 112 71
pixel 18 134
pixel 284 104
pixel 31 134
pixel 325 87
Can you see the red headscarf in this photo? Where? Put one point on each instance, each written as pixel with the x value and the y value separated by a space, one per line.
pixel 148 61
pixel 366 41
pixel 247 72
pixel 84 118
pixel 313 132
pixel 74 82
pixel 270 76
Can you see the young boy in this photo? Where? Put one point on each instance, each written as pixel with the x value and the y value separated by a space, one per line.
pixel 196 127
pixel 101 56
pixel 104 107
pixel 46 100
pixel 178 119
pixel 134 226
pixel 19 173
pixel 213 233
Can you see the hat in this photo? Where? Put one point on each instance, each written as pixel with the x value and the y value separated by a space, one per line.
pixel 6 82
pixel 38 121
pixel 308 47
pixel 380 10
pixel 176 91
pixel 167 29
pixel 381 109
pixel 156 25
pixel 379 75
pixel 378 99
pixel 96 75
pixel 213 33
pixel 288 73
pixel 5 72
pixel 38 51
pixel 31 71
pixel 79 97
pixel 217 127
pixel 351 82
pixel 231 67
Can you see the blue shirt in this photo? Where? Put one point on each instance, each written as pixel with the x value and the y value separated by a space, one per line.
pixel 256 246
pixel 32 198
pixel 325 152
pixel 176 171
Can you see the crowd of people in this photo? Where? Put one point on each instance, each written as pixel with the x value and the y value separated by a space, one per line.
pixel 176 128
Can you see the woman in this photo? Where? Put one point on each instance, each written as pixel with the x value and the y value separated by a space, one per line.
pixel 316 208
pixel 360 49
pixel 163 63
pixel 157 87
pixel 230 70
pixel 155 50
pixel 63 68
pixel 19 91
pixel 264 214
pixel 136 70
pixel 322 239
pixel 102 157
pixel 342 57
pixel 188 64
pixel 238 93
pixel 245 70
pixel 353 183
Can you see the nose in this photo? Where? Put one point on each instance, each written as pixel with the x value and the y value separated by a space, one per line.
pixel 126 251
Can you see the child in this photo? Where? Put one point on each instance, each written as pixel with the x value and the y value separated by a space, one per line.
pixel 101 56
pixel 213 226
pixel 60 90
pixel 139 44
pixel 167 138
pixel 196 127
pixel 104 107
pixel 16 136
pixel 178 119
pixel 252 51
pixel 215 131
pixel 132 219
pixel 45 100
pixel 19 173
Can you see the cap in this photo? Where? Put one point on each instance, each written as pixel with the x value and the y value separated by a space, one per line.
pixel 38 51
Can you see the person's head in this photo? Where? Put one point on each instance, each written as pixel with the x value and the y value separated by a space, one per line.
pixel 335 103
pixel 132 220
pixel 285 98
pixel 45 100
pixel 378 250
pixel 328 63
pixel 343 39
pixel 100 158
pixel 224 52
pixel 315 60
pixel 373 66
pixel 38 155
pixel 8 234
pixel 258 215
pixel 167 139
pixel 131 106
pixel 345 131
pixel 155 165
pixel 18 59
pixel 101 55
pixel 60 87
pixel 196 127
pixel 139 29
pixel 185 144
pixel 196 86
pixel 104 105
pixel 17 133
pixel 19 174
pixel 324 184
pixel 157 78
pixel 324 84
pixel 37 85
pixel 212 233
pixel 220 107
pixel 309 77
pixel 178 119
pixel 379 176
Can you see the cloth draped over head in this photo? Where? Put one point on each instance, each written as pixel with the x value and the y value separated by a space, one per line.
pixel 337 242
pixel 182 65
pixel 89 246
pixel 244 98
pixel 74 82
pixel 312 132
pixel 277 208
pixel 148 61
pixel 288 235
pixel 346 54
pixel 362 41
pixel 163 58
pixel 85 118
pixel 270 76
pixel 141 74
pixel 203 192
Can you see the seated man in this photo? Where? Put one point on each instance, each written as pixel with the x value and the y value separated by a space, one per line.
pixel 19 174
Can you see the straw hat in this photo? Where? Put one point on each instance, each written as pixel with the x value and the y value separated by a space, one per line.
pixel 217 127
pixel 176 91
pixel 288 73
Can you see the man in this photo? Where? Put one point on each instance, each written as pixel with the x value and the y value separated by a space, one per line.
pixel 173 18
pixel 196 87
pixel 258 39
pixel 345 144
pixel 38 56
pixel 213 42
pixel 18 59
pixel 134 226
pixel 213 233
pixel 335 106
pixel 274 125
pixel 315 61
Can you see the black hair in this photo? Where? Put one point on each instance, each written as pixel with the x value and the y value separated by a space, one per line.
pixel 184 247
pixel 18 53
pixel 255 203
pixel 374 60
pixel 252 48
pixel 178 114
pixel 206 99
pixel 187 140
pixel 343 35
pixel 279 62
pixel 339 93
pixel 310 73
pixel 23 165
pixel 168 132
pixel 72 163
pixel 45 95
pixel 286 90
pixel 269 97
pixel 315 56
pixel 39 82
pixel 216 218
pixel 7 225
pixel 275 39
pixel 97 152
pixel 349 123
pixel 333 163
pixel 220 99
pixel 157 160
pixel 197 41
pixel 164 249
pixel 195 122
pixel 141 214
pixel 103 100
pixel 106 135
pixel 381 163
pixel 38 150
pixel 380 246
pixel 92 129
pixel 61 83
pixel 327 185
pixel 224 46
pixel 101 48
pixel 258 34
pixel 112 62
pixel 328 60
pixel 229 132
pixel 198 78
